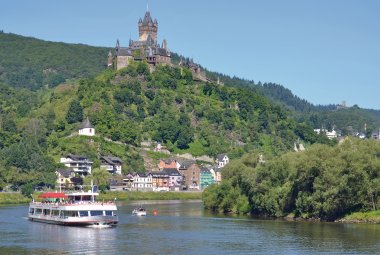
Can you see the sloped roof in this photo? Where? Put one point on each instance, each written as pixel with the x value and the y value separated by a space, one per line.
pixel 86 124
pixel 112 160
pixel 65 172
pixel 186 164
pixel 124 51
pixel 171 171
pixel 220 157
pixel 76 157
pixel 147 18
pixel 159 174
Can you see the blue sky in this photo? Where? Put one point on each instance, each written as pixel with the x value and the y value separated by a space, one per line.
pixel 324 51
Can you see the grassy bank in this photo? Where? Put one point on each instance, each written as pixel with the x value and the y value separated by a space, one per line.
pixel 138 195
pixel 17 198
pixel 370 217
pixel 13 198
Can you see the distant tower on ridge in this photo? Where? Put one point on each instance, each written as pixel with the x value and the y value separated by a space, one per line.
pixel 148 27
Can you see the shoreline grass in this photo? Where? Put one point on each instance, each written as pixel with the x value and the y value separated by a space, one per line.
pixel 7 198
pixel 362 217
pixel 139 195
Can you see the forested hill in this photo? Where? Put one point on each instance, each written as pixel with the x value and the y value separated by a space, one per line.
pixel 348 120
pixel 130 106
pixel 32 63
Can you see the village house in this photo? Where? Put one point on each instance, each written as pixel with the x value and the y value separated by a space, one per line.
pixel 66 179
pixel 376 134
pixel 160 181
pixel 86 128
pixel 206 178
pixel 216 174
pixel 117 183
pixel 222 160
pixel 79 164
pixel 175 179
pixel 330 134
pixel 191 174
pixel 168 163
pixel 142 182
pixel 111 164
pixel 128 182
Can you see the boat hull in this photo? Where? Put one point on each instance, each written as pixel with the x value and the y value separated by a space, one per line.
pixel 74 221
pixel 83 214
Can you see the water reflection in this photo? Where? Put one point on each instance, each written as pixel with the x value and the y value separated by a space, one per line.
pixel 183 227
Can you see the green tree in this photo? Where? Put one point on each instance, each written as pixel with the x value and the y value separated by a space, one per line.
pixel 75 112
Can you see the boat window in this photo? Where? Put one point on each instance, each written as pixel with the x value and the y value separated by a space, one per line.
pixel 31 210
pixel 96 213
pixel 83 213
pixel 108 213
pixel 70 214
pixel 38 211
pixel 55 213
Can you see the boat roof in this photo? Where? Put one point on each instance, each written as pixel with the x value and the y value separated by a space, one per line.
pixel 52 195
pixel 83 194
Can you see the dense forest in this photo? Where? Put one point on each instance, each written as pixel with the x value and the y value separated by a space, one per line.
pixel 347 120
pixel 31 63
pixel 322 182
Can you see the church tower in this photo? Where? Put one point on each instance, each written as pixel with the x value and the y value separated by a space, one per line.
pixel 147 27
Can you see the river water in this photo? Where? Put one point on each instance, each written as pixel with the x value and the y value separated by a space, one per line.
pixel 183 227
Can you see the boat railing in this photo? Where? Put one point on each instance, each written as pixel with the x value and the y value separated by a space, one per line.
pixel 70 203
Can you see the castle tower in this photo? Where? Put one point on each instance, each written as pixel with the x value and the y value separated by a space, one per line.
pixel 146 27
pixel 110 59
pixel 117 47
pixel 164 44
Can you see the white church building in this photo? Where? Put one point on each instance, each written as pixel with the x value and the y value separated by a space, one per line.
pixel 87 128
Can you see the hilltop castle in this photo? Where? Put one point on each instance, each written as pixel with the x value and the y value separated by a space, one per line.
pixel 146 48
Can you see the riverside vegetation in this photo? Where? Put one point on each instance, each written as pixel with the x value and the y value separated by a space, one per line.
pixel 43 101
pixel 322 182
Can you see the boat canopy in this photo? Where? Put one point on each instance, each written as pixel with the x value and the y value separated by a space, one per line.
pixel 52 195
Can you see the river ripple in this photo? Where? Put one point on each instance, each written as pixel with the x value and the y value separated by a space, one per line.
pixel 182 227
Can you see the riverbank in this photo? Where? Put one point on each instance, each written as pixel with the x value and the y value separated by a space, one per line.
pixel 362 217
pixel 10 198
pixel 138 195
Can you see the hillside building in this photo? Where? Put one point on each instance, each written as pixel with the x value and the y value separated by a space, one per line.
pixel 81 165
pixel 146 48
pixel 111 164
pixel 330 134
pixel 86 128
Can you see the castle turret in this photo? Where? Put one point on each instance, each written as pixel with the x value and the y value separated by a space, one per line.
pixel 147 26
pixel 117 47
pixel 164 44
pixel 110 59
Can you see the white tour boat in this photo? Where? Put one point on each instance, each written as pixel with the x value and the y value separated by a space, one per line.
pixel 73 209
pixel 139 211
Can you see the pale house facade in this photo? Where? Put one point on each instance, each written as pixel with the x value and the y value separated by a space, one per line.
pixel 87 128
pixel 79 164
pixel 222 160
